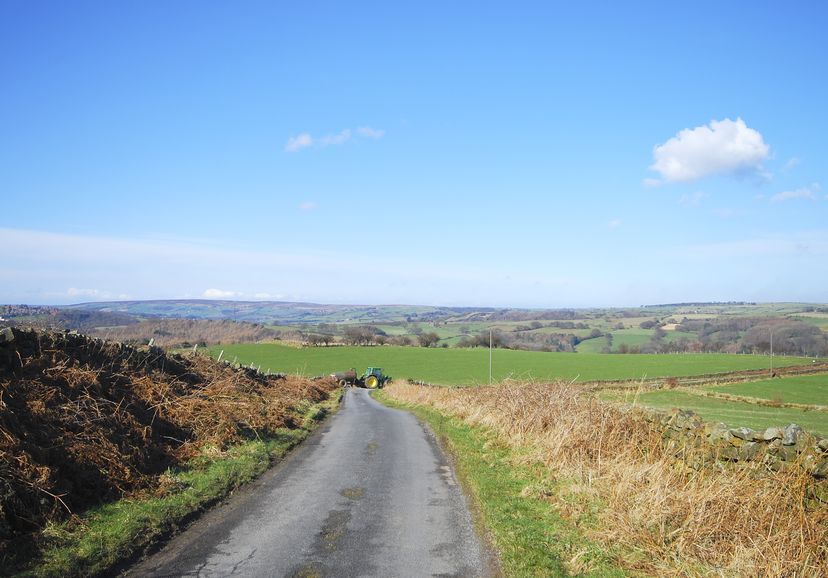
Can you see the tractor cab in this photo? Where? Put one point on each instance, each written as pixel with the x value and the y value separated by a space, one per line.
pixel 373 377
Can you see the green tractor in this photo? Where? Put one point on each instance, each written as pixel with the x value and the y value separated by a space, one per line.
pixel 373 378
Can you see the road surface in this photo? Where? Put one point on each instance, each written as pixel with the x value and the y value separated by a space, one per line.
pixel 369 494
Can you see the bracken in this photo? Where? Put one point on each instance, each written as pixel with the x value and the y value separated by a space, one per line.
pixel 85 420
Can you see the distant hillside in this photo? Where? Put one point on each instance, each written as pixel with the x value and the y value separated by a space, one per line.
pixel 186 332
pixel 59 318
pixel 271 312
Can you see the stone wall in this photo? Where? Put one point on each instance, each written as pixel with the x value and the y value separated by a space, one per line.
pixel 775 447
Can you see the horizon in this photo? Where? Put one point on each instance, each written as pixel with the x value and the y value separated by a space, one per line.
pixel 732 303
pixel 540 156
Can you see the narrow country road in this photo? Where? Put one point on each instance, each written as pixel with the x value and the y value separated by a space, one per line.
pixel 370 494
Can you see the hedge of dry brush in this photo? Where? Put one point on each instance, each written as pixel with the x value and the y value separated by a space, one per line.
pixel 84 420
pixel 668 517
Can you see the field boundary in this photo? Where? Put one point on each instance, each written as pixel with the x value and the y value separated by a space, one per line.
pixel 754 400
pixel 730 377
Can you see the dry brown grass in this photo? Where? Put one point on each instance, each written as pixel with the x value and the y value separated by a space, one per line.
pixel 626 487
pixel 84 420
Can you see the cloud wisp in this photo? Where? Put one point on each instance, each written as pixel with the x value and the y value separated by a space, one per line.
pixel 808 193
pixel 94 294
pixel 299 142
pixel 723 147
pixel 306 140
pixel 220 294
pixel 38 266
pixel 368 132
pixel 795 244
pixel 692 199
pixel 339 138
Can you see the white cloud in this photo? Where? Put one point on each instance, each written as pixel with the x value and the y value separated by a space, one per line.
pixel 722 147
pixel 307 206
pixel 299 142
pixel 90 293
pixel 220 294
pixel 692 199
pixel 808 193
pixel 614 224
pixel 335 139
pixel 305 140
pixel 263 296
pixel 368 132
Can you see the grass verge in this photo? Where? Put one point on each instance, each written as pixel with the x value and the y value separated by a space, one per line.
pixel 660 509
pixel 113 533
pixel 529 534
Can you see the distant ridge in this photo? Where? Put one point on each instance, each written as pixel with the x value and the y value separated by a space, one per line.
pixel 271 312
pixel 702 304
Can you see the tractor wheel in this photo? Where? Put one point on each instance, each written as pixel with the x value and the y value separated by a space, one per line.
pixel 371 382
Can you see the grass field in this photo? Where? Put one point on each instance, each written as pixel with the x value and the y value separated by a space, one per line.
pixel 806 389
pixel 630 337
pixel 818 319
pixel 735 414
pixel 471 366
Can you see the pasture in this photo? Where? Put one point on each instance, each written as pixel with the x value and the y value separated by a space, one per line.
pixel 452 366
pixel 733 413
pixel 804 389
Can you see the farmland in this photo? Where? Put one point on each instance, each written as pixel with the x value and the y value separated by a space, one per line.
pixel 735 413
pixel 804 389
pixel 755 404
pixel 742 328
pixel 453 366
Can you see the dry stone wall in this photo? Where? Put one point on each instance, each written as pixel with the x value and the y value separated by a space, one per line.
pixel 775 447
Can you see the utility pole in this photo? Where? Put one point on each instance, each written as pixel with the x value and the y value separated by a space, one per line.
pixel 771 345
pixel 490 356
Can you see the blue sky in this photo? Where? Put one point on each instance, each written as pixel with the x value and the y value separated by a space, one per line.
pixel 505 154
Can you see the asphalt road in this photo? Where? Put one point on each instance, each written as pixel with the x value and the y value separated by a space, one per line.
pixel 370 494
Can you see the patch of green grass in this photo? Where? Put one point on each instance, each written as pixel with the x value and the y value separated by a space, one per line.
pixel 630 337
pixel 818 319
pixel 529 534
pixel 114 532
pixel 733 413
pixel 471 366
pixel 806 389
pixel 559 331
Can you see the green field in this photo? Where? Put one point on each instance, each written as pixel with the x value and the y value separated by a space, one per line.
pixel 818 319
pixel 631 337
pixel 735 414
pixel 471 366
pixel 805 389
